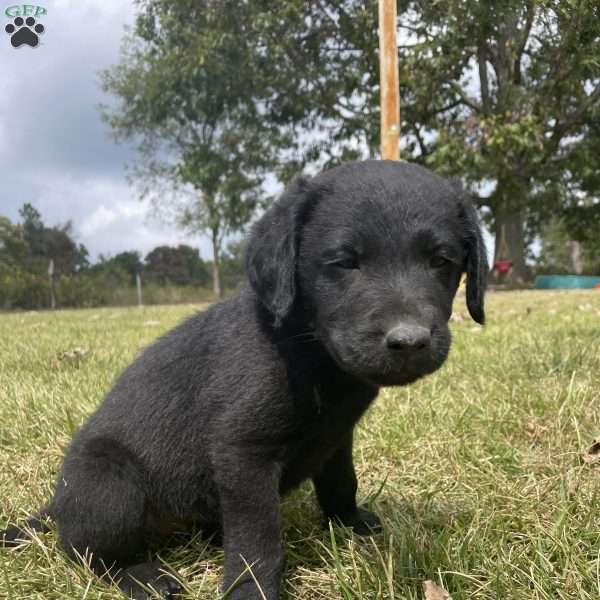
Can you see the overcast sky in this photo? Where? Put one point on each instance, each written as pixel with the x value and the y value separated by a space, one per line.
pixel 54 151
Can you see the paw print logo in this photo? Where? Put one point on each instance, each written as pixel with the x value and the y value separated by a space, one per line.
pixel 24 32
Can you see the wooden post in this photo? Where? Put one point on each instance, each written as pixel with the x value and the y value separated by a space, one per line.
pixel 388 81
pixel 138 284
pixel 51 279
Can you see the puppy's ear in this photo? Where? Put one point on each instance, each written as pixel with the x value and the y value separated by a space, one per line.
pixel 272 250
pixel 476 264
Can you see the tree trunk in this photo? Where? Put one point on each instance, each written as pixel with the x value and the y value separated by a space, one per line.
pixel 218 292
pixel 510 246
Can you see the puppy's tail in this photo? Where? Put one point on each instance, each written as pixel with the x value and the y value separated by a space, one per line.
pixel 15 535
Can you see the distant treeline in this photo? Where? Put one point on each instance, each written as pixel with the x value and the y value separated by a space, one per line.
pixel 169 274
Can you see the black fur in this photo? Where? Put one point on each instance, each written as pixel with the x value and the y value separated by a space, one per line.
pixel 352 279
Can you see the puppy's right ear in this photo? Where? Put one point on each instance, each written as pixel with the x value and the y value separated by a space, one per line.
pixel 477 265
pixel 272 250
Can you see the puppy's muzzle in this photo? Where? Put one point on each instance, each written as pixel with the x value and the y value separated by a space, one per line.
pixel 407 339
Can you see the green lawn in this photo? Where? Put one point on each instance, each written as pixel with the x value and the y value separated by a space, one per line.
pixel 477 471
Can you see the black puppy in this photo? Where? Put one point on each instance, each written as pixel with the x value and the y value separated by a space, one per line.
pixel 352 275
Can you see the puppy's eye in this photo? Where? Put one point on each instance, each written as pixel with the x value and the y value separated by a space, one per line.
pixel 344 259
pixel 439 261
pixel 346 262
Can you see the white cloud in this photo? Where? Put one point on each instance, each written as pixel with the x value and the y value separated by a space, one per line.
pixel 107 217
pixel 54 150
pixel 101 218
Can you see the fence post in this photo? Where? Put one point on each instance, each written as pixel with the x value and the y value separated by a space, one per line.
pixel 51 279
pixel 138 284
pixel 388 81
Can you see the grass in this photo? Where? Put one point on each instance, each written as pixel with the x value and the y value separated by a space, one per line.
pixel 475 471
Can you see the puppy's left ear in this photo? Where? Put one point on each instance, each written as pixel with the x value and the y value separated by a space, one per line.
pixel 272 250
pixel 476 264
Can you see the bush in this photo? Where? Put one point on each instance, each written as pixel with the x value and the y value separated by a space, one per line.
pixel 27 291
pixel 23 290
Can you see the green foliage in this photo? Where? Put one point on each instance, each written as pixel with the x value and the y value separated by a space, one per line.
pixel 33 229
pixel 48 243
pixel 19 289
pixel 179 265
pixel 555 255
pixel 13 246
pixel 171 274
pixel 232 265
pixel 121 268
pixel 69 257
pixel 28 291
pixel 582 223
pixel 186 88
pixel 504 95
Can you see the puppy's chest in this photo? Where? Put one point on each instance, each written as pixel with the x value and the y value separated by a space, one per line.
pixel 321 427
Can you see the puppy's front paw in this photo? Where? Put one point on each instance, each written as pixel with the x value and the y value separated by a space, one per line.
pixel 363 522
pixel 137 581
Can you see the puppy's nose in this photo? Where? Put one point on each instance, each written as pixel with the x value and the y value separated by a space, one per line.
pixel 408 338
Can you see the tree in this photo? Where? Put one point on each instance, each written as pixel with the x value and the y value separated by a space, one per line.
pixel 186 89
pixel 33 229
pixel 13 246
pixel 568 250
pixel 502 94
pixel 68 256
pixel 510 90
pixel 579 212
pixel 179 265
pixel 51 243
pixel 121 269
pixel 130 262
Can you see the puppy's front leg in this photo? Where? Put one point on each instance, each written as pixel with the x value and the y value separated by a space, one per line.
pixel 336 488
pixel 249 495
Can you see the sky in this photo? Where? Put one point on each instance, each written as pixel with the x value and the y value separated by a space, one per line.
pixel 55 152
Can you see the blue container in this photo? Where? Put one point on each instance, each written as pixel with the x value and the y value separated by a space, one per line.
pixel 565 282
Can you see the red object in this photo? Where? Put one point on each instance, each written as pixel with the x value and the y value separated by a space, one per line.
pixel 597 286
pixel 503 266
